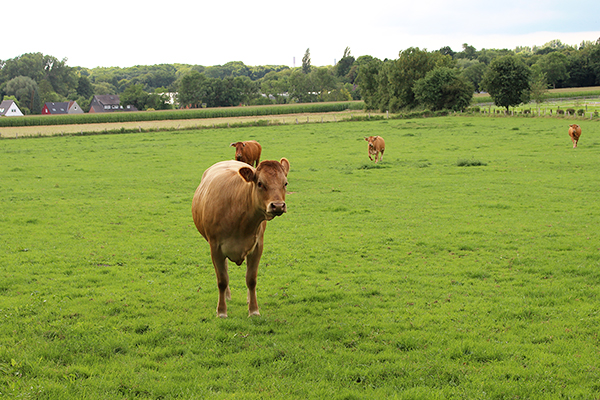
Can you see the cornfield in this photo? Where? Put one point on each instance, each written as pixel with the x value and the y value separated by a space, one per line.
pixel 224 112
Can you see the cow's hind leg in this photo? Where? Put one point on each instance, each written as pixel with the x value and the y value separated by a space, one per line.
pixel 220 263
pixel 252 262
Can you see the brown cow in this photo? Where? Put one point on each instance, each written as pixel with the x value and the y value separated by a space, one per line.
pixel 574 132
pixel 376 146
pixel 248 152
pixel 231 208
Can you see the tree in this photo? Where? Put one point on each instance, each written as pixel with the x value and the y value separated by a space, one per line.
pixel 247 89
pixel 61 76
pixel 276 85
pixel 507 81
pixel 342 68
pixel 84 87
pixel 444 88
pixel 192 90
pixel 474 73
pixel 368 82
pixel 323 81
pixel 412 65
pixel 134 95
pixel 306 62
pixel 47 92
pixel 159 100
pixel 26 90
pixel 301 88
pixel 539 89
pixel 468 52
pixel 554 66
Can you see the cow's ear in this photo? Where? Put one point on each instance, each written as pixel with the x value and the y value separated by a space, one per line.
pixel 232 145
pixel 286 165
pixel 248 174
pixel 366 138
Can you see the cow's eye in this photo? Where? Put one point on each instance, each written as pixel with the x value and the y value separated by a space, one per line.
pixel 260 185
pixel 285 184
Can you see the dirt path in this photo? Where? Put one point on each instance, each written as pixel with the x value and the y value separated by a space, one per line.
pixel 51 130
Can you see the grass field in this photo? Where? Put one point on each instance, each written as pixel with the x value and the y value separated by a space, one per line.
pixel 466 265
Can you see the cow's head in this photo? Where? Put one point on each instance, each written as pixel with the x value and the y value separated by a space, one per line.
pixel 371 140
pixel 270 182
pixel 238 149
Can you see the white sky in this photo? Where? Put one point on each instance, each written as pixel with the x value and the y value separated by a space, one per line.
pixel 268 32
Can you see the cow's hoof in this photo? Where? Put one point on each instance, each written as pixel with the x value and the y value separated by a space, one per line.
pixel 253 313
pixel 221 315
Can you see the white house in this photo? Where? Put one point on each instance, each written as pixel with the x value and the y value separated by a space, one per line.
pixel 8 108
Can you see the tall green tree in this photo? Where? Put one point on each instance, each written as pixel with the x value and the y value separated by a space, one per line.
pixel 554 66
pixel 275 85
pixel 192 90
pixel 47 93
pixel 60 75
pixel 84 87
pixel 342 68
pixel 474 71
pixel 412 65
pixel 301 87
pixel 444 88
pixel 507 80
pixel 368 82
pixel 539 89
pixel 306 62
pixel 26 90
pixel 323 81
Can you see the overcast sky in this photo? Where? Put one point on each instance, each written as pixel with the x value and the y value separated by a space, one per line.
pixel 268 32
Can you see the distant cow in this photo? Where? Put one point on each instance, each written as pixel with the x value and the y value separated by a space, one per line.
pixel 248 152
pixel 231 208
pixel 376 146
pixel 575 133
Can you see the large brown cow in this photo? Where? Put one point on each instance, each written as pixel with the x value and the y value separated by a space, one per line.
pixel 248 152
pixel 574 132
pixel 376 146
pixel 231 208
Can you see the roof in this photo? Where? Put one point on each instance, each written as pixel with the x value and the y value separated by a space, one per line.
pixel 58 108
pixel 108 99
pixel 6 105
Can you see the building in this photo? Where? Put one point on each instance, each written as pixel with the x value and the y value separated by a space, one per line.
pixel 8 108
pixel 108 103
pixel 67 107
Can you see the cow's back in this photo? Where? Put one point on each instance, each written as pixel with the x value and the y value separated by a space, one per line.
pixel 219 198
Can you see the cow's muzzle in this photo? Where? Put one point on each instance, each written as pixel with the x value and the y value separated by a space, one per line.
pixel 277 208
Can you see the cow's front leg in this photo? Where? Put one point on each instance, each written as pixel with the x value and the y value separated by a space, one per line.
pixel 220 263
pixel 252 262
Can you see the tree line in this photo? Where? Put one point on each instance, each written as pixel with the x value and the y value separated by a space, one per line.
pixel 435 79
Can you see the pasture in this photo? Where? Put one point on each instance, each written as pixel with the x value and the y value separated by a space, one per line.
pixel 465 265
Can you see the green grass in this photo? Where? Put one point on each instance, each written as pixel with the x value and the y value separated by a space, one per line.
pixel 415 278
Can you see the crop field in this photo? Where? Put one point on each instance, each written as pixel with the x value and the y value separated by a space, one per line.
pixel 465 265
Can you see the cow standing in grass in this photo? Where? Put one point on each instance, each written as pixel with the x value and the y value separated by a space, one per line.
pixel 376 147
pixel 575 133
pixel 231 208
pixel 248 152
